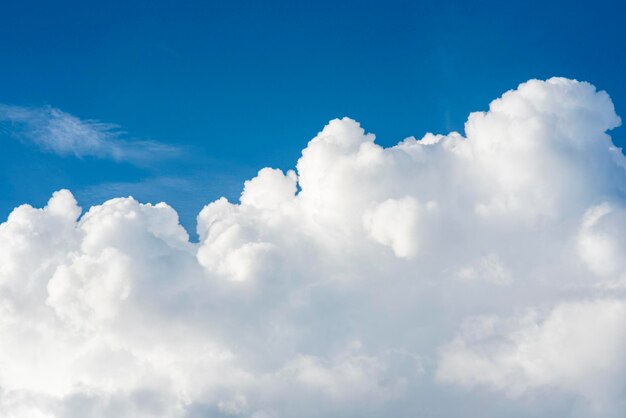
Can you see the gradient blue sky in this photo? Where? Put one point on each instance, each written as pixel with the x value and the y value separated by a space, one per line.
pixel 240 85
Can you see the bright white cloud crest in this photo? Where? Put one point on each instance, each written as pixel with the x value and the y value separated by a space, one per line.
pixel 370 281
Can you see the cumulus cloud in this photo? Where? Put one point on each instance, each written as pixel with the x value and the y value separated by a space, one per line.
pixel 577 346
pixel 368 281
pixel 61 133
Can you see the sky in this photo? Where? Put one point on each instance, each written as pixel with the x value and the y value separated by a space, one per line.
pixel 346 209
pixel 236 86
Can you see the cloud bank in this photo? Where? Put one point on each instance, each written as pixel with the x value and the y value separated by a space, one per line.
pixel 58 132
pixel 447 276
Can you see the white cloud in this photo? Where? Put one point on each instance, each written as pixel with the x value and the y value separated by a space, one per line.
pixel 600 242
pixel 370 281
pixel 61 133
pixel 489 268
pixel 577 346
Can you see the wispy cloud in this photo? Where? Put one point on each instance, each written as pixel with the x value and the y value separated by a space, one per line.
pixel 56 131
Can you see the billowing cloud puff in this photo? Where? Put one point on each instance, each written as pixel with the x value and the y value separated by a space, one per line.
pixel 368 281
pixel 577 346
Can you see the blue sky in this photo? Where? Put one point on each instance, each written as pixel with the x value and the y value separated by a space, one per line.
pixel 230 87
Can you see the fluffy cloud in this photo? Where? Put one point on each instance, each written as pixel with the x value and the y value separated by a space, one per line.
pixel 576 346
pixel 368 281
pixel 56 131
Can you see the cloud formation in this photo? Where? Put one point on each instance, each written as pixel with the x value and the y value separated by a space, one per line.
pixel 367 282
pixel 58 132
